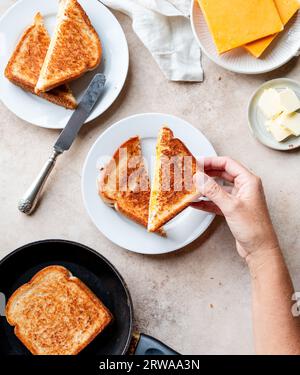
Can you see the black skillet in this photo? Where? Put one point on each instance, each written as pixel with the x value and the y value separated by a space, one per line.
pixel 98 274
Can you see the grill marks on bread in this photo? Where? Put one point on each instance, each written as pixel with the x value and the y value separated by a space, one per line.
pixel 24 66
pixel 75 48
pixel 55 313
pixel 171 195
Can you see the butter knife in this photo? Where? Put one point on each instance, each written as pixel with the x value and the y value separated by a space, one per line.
pixel 29 201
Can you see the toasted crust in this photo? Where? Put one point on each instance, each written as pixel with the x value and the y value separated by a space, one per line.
pixel 55 313
pixel 62 96
pixel 134 202
pixel 75 48
pixel 106 191
pixel 25 64
pixel 166 203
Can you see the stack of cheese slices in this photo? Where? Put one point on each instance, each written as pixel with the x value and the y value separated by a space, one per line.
pixel 250 24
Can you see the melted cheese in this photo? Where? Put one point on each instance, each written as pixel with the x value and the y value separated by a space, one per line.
pixel 286 9
pixel 155 187
pixel 234 23
pixel 40 86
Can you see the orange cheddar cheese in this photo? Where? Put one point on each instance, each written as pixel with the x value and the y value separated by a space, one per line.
pixel 286 9
pixel 234 23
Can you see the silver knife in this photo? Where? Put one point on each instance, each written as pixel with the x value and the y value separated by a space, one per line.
pixel 29 201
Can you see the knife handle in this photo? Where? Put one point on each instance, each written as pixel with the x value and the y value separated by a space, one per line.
pixel 29 201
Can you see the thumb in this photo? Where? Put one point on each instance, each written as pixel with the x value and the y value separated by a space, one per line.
pixel 210 189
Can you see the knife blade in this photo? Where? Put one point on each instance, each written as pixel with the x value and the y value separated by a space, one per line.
pixel 29 201
pixel 83 111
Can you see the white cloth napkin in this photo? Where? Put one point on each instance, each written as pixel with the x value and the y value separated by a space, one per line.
pixel 164 28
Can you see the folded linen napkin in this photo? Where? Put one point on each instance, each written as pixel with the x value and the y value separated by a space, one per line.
pixel 164 28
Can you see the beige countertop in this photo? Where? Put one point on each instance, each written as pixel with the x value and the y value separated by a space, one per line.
pixel 198 299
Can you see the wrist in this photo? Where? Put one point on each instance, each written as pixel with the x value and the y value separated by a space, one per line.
pixel 258 260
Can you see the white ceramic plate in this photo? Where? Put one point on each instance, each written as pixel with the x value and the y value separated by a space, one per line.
pixel 114 63
pixel 284 48
pixel 257 120
pixel 184 228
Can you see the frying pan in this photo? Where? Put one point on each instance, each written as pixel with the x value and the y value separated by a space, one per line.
pixel 98 274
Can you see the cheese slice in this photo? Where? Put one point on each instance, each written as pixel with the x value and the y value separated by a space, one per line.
pixel 286 9
pixel 234 23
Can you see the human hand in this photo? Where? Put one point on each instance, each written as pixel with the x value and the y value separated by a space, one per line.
pixel 242 203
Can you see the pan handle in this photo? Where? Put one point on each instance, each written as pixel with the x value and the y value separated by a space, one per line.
pixel 148 345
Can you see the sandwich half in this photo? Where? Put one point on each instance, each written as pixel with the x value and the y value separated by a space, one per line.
pixel 173 188
pixel 24 66
pixel 124 183
pixel 55 313
pixel 75 48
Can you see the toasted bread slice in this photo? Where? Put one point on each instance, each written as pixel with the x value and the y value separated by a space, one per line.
pixel 75 48
pixel 131 195
pixel 55 313
pixel 173 188
pixel 25 64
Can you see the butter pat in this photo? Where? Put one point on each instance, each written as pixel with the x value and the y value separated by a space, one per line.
pixel 279 132
pixel 269 103
pixel 279 107
pixel 289 101
pixel 291 122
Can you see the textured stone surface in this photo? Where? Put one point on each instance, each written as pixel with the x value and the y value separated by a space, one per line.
pixel 198 299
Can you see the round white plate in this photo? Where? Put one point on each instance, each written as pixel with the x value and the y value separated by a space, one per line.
pixel 185 227
pixel 284 48
pixel 114 62
pixel 256 118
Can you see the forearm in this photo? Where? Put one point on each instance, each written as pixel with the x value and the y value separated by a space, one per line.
pixel 244 206
pixel 276 331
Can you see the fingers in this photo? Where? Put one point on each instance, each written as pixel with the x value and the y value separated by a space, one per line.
pixel 207 207
pixel 209 188
pixel 229 189
pixel 223 163
pixel 221 174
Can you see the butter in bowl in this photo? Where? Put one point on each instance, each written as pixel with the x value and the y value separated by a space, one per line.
pixel 274 116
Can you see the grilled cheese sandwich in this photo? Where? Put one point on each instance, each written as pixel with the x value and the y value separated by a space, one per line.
pixel 124 183
pixel 55 313
pixel 172 189
pixel 75 48
pixel 24 66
